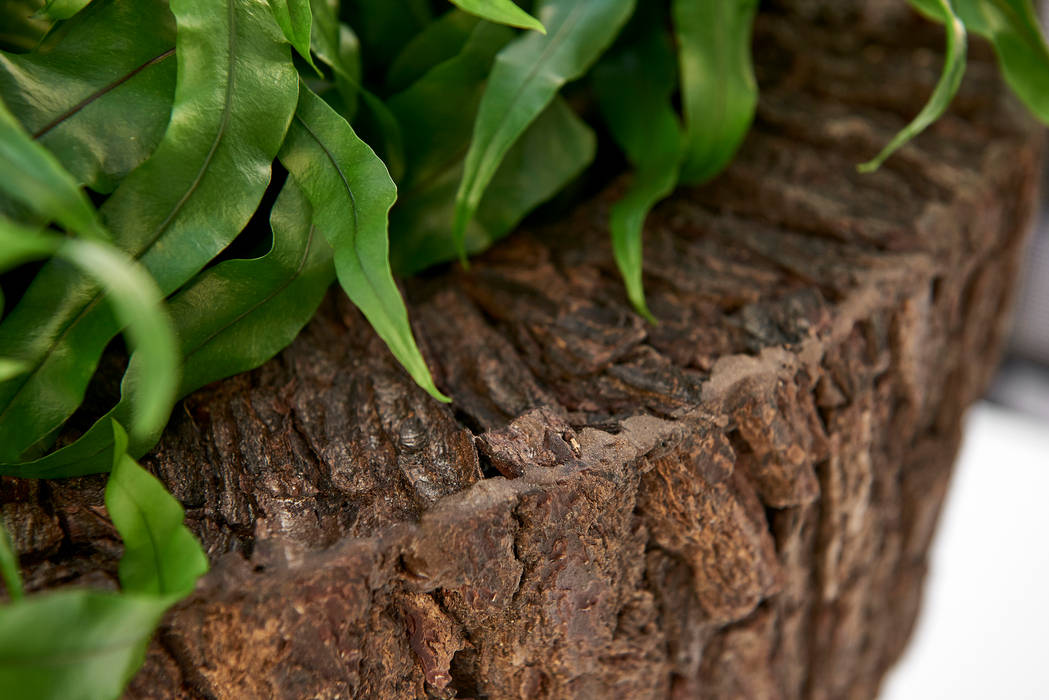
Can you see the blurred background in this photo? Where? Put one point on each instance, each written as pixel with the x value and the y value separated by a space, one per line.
pixel 984 627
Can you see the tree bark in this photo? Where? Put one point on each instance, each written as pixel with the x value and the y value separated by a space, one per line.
pixel 735 503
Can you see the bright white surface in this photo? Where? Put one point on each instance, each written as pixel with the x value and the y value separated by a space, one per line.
pixel 984 628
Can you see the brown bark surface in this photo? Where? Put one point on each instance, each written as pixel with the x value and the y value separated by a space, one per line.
pixel 735 503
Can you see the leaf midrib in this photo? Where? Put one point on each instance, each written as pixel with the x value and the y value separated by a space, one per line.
pixel 156 235
pixel 72 111
pixel 154 546
pixel 353 206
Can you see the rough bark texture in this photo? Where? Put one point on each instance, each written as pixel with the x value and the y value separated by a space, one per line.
pixel 736 503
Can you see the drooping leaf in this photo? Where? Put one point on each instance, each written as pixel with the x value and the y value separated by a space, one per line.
pixel 634 86
pixel 135 301
pixel 32 176
pixel 1019 43
pixel 174 213
pixel 526 76
pixel 41 656
pixel 295 19
pixel 718 90
pixel 337 46
pixel 351 193
pixel 101 113
pixel 81 644
pixel 440 41
pixel 230 318
pixel 501 12
pixel 161 556
pixel 946 87
pixel 9 571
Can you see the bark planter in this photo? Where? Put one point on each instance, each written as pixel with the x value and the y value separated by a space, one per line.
pixel 736 503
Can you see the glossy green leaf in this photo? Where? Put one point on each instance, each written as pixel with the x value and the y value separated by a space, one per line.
pixel 240 313
pixel 946 87
pixel 101 113
pixel 634 87
pixel 295 19
pixel 440 41
pixel 501 12
pixel 64 9
pixel 351 193
pixel 231 318
pixel 718 90
pixel 9 570
pixel 32 176
pixel 75 644
pixel 526 76
pixel 174 213
pixel 161 556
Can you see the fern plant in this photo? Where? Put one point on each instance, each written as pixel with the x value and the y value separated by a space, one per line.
pixel 194 174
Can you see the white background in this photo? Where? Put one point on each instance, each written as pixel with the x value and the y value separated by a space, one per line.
pixel 984 627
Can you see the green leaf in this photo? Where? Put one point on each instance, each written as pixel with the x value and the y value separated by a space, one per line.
pixel 501 12
pixel 20 244
pixel 435 112
pixel 718 90
pixel 11 368
pixel 32 176
pixel 236 315
pixel 1019 43
pixel 946 87
pixel 64 9
pixel 295 19
pixel 161 556
pixel 79 644
pixel 435 115
pixel 101 113
pixel 9 570
pixel 438 42
pixel 136 303
pixel 351 193
pixel 75 644
pixel 551 153
pixel 174 213
pixel 526 76
pixel 634 87
pixel 230 318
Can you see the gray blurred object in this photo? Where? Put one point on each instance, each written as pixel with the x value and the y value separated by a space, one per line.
pixel 1030 339
pixel 1022 382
